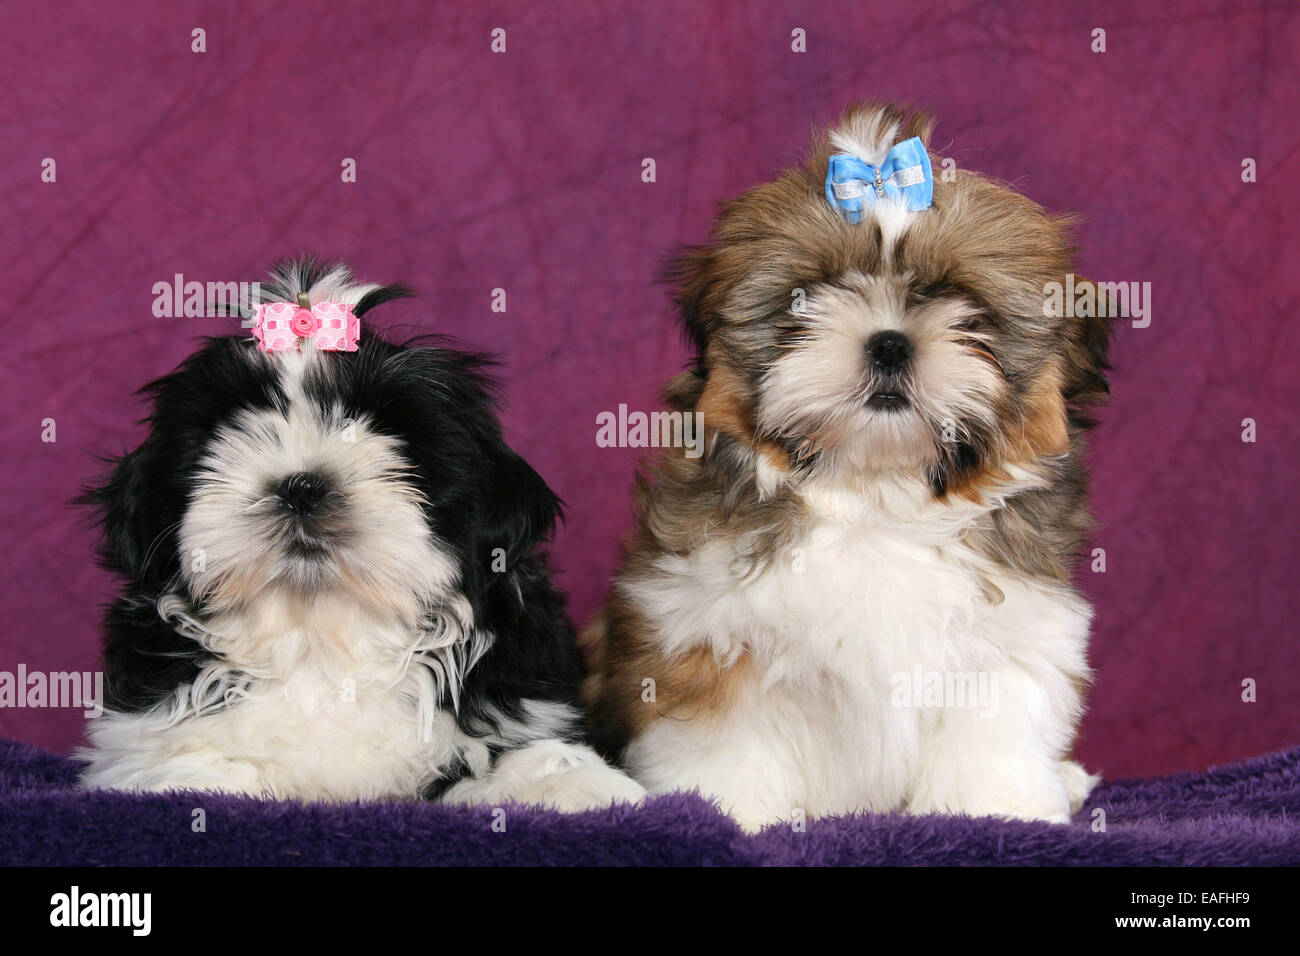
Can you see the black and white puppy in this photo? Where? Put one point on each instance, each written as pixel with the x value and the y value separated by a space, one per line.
pixel 335 588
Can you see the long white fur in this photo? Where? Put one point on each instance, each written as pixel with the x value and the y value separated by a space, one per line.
pixel 881 587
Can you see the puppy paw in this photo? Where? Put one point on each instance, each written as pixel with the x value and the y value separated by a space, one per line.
pixel 1035 792
pixel 751 823
pixel 203 772
pixel 550 773
pixel 1078 783
pixel 1047 811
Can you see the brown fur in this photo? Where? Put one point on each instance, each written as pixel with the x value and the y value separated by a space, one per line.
pixel 723 405
pixel 625 654
pixel 981 243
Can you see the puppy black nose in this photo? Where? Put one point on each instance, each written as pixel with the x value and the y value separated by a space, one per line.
pixel 889 351
pixel 303 492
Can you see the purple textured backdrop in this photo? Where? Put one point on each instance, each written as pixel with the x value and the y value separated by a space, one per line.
pixel 521 171
pixel 1240 815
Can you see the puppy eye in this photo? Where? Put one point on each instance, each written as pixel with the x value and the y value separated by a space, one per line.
pixel 928 292
pixel 976 322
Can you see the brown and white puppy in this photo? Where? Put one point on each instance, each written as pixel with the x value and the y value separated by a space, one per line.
pixel 859 597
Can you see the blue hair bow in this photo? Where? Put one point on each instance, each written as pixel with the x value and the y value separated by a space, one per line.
pixel 905 174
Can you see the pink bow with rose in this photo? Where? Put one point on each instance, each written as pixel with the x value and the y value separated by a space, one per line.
pixel 328 326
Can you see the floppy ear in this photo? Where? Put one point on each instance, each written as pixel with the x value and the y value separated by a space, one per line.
pixel 691 274
pixel 1088 357
pixel 138 537
pixel 520 510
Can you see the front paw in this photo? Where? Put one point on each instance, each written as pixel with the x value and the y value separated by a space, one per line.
pixel 1078 783
pixel 1047 811
pixel 1038 795
pixel 209 773
pixel 752 823
pixel 550 773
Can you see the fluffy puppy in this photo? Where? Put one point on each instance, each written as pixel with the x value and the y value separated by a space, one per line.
pixel 334 582
pixel 859 597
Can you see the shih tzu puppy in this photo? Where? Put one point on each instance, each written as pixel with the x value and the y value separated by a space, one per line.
pixel 334 582
pixel 859 597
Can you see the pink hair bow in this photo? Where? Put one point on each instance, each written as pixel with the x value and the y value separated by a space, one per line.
pixel 328 326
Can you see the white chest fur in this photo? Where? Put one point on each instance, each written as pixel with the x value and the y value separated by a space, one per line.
pixel 877 631
pixel 317 697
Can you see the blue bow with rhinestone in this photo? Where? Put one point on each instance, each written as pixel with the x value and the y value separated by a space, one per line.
pixel 905 174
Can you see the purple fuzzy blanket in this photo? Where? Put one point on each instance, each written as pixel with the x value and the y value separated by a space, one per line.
pixel 1244 814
